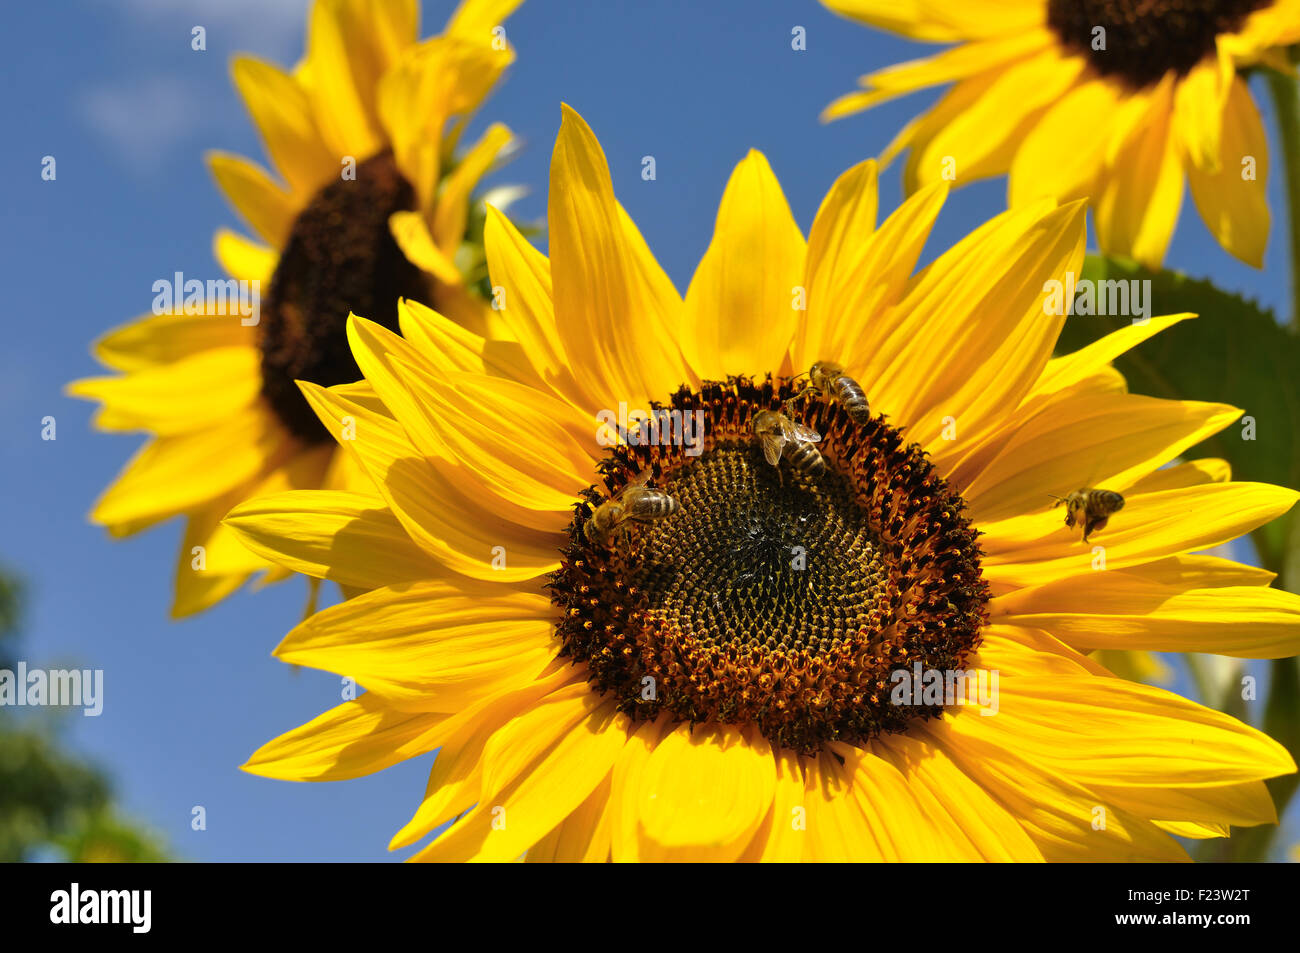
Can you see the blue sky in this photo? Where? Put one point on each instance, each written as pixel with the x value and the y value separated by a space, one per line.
pixel 114 92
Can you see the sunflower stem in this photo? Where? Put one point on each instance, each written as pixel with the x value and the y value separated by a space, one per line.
pixel 1286 101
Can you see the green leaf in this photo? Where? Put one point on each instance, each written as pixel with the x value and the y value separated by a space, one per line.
pixel 1235 353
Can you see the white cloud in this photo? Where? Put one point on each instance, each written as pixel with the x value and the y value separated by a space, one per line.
pixel 142 120
pixel 272 28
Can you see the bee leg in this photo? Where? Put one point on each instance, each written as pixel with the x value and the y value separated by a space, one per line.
pixel 1093 526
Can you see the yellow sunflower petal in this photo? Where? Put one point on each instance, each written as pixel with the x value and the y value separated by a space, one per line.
pixel 1109 731
pixel 282 111
pixel 625 785
pixel 1233 198
pixel 1239 805
pixel 1138 206
pixel 345 69
pixel 411 232
pixel 523 274
pixel 457 773
pixel 837 827
pixel 352 539
pixel 267 208
pixel 189 394
pixel 555 755
pixel 211 563
pixel 703 794
pixel 453 201
pixel 457 530
pixel 939 21
pixel 987 337
pixel 1066 821
pixel 1037 548
pixel 606 281
pixel 1060 157
pixel 475 19
pixel 206 575
pixel 952 64
pixel 1192 473
pixel 453 348
pixel 741 302
pixel 1062 372
pixel 481 432
pixel 1123 610
pixel 1109 441
pixel 354 739
pixel 852 273
pixel 162 339
pixel 583 836
pixel 781 838
pixel 244 258
pixel 431 645
pixel 973 825
pixel 173 474
pixel 976 129
pixel 1199 104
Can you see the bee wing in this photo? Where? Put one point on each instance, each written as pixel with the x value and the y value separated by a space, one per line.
pixel 798 431
pixel 772 445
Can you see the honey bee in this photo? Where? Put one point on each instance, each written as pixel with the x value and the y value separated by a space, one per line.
pixel 635 503
pixel 831 382
pixel 1094 507
pixel 778 435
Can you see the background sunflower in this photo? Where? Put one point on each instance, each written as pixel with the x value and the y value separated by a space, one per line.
pixel 365 133
pixel 1118 102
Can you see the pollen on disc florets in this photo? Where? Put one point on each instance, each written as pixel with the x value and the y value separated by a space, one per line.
pixel 783 601
pixel 340 257
pixel 1141 40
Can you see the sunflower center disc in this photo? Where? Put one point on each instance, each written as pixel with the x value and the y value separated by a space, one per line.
pixel 1144 39
pixel 783 601
pixel 340 257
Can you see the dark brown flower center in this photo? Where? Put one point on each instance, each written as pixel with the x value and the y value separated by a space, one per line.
pixel 340 257
pixel 1141 40
pixel 782 600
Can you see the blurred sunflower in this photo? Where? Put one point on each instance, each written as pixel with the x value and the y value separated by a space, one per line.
pixel 1111 100
pixel 720 685
pixel 376 205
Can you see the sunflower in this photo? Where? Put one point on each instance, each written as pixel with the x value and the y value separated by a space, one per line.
pixel 718 678
pixel 375 206
pixel 1111 100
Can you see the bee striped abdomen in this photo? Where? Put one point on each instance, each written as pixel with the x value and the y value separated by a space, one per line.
pixel 850 394
pixel 650 505
pixel 807 459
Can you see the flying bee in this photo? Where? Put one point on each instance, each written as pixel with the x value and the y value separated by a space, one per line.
pixel 831 382
pixel 779 436
pixel 635 503
pixel 1091 506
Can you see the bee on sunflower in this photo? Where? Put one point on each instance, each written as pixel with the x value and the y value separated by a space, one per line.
pixel 375 205
pixel 723 681
pixel 1119 101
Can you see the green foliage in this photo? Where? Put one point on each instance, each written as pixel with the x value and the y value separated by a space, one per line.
pixel 52 801
pixel 1235 353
